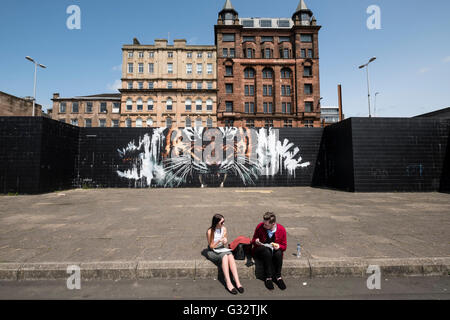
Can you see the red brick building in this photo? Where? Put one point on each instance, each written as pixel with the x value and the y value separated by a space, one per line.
pixel 268 70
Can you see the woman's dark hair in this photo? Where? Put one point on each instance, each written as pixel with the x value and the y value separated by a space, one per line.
pixel 215 220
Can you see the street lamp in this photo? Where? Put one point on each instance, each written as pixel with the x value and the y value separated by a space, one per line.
pixel 35 71
pixel 368 84
pixel 375 104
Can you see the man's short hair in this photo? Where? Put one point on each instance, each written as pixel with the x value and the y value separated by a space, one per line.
pixel 270 216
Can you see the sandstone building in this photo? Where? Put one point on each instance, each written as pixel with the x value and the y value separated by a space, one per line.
pixel 101 110
pixel 168 85
pixel 268 70
pixel 12 106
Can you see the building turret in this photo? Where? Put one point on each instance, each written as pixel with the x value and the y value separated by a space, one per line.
pixel 228 15
pixel 302 15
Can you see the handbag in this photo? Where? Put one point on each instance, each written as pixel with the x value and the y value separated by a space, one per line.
pixel 240 251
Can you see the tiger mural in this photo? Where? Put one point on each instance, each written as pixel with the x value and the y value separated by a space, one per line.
pixel 207 156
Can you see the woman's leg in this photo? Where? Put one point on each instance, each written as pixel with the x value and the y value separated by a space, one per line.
pixel 233 269
pixel 226 272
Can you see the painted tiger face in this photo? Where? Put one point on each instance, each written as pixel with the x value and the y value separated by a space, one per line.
pixel 172 157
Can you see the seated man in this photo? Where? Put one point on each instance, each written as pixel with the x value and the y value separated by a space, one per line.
pixel 269 241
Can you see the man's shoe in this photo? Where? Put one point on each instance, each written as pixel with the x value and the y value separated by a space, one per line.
pixel 280 283
pixel 269 284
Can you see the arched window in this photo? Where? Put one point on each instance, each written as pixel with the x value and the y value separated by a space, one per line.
pixel 198 122
pixel 169 104
pixel 169 122
pixel 209 105
pixel 129 104
pixel 188 105
pixel 139 105
pixel 138 123
pixel 209 123
pixel 267 73
pixel 149 122
pixel 188 122
pixel 198 105
pixel 286 73
pixel 128 123
pixel 150 105
pixel 249 73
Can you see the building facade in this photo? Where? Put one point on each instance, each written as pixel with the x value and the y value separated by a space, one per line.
pixel 168 85
pixel 268 70
pixel 12 106
pixel 102 110
pixel 329 114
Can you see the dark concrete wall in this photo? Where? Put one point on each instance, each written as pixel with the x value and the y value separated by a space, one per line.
pixel 334 167
pixel 36 155
pixel 359 154
pixel 445 176
pixel 59 154
pixel 20 148
pixel 100 159
pixel 392 154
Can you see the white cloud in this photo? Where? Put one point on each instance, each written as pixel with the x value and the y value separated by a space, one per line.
pixel 424 70
pixel 446 59
pixel 115 86
pixel 117 68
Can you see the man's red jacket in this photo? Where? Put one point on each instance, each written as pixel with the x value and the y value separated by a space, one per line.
pixel 261 234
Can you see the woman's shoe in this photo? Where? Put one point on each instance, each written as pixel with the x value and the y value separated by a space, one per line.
pixel 232 291
pixel 241 289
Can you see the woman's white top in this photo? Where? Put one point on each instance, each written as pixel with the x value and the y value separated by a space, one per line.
pixel 218 234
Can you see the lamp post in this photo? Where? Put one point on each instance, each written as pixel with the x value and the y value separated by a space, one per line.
pixel 368 84
pixel 375 104
pixel 35 71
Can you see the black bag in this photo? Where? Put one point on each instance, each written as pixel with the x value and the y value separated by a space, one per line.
pixel 240 251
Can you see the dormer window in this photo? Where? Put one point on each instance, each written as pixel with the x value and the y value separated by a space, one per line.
pixel 248 23
pixel 265 23
pixel 282 23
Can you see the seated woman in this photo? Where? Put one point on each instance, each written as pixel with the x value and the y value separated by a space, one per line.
pixel 217 238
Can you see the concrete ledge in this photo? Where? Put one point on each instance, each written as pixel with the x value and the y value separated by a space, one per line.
pixel 108 270
pixel 296 268
pixel 204 269
pixel 352 267
pixel 166 269
pixel 412 266
pixel 9 271
pixel 44 271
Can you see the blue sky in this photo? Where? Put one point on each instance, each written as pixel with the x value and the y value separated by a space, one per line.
pixel 412 70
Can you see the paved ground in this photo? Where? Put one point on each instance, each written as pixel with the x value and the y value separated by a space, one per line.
pixel 316 288
pixel 170 224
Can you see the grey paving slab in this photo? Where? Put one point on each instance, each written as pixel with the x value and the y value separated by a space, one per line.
pixel 163 225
